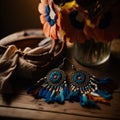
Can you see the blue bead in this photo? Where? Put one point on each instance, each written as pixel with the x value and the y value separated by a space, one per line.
pixel 77 75
pixel 56 79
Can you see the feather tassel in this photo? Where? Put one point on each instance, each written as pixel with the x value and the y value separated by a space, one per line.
pixel 32 88
pixel 51 100
pixel 66 90
pixel 70 95
pixel 104 94
pixel 35 92
pixel 62 96
pixel 105 81
pixel 46 90
pixel 73 95
pixel 97 98
pixel 83 87
pixel 85 102
pixel 57 99
pixel 40 94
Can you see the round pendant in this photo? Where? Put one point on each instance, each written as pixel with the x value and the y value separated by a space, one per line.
pixel 80 78
pixel 56 77
pixel 82 81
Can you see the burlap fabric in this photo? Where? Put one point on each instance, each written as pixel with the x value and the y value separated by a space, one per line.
pixel 27 58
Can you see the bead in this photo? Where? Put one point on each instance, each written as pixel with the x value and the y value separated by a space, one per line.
pixel 55 77
pixel 79 78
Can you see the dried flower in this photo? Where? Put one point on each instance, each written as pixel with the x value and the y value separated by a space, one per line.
pixel 72 29
pixel 49 18
pixel 76 20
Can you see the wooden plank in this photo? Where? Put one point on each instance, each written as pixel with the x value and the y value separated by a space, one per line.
pixel 43 115
pixel 28 103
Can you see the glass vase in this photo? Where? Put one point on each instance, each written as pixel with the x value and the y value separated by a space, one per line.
pixel 92 53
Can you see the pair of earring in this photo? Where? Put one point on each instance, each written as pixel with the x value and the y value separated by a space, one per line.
pixel 79 86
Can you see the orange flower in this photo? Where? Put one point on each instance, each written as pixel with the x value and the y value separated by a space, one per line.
pixel 49 18
pixel 76 20
pixel 102 30
pixel 72 28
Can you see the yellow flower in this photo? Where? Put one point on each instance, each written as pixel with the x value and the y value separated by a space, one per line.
pixel 72 27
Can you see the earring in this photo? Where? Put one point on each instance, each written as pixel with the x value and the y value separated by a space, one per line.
pixel 81 86
pixel 86 89
pixel 54 88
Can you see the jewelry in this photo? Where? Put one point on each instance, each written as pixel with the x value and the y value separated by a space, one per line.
pixel 54 88
pixel 86 89
pixel 78 86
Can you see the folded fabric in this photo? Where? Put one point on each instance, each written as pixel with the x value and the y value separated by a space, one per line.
pixel 28 58
pixel 8 63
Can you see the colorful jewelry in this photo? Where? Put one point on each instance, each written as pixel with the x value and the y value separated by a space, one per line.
pixel 81 86
pixel 54 88
pixel 86 89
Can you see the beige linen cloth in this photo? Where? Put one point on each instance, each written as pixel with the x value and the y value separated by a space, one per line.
pixel 8 63
pixel 29 64
pixel 14 63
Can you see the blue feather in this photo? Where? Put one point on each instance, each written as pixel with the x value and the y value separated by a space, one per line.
pixel 70 95
pixel 53 92
pixel 45 92
pixel 106 80
pixel 41 92
pixel 47 96
pixel 85 102
pixel 57 98
pixel 50 99
pixel 29 90
pixel 52 96
pixel 104 94
pixel 92 104
pixel 62 96
pixel 66 91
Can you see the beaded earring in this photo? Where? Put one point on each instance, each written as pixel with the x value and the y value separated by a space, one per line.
pixel 86 88
pixel 54 88
pixel 79 86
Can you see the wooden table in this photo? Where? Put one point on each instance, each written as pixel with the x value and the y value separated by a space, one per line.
pixel 25 106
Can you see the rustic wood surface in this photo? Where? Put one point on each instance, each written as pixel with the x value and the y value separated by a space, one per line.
pixel 26 107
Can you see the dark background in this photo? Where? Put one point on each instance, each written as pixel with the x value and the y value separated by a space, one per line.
pixel 17 15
